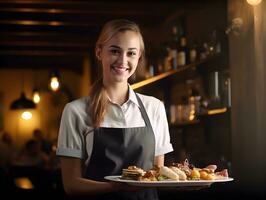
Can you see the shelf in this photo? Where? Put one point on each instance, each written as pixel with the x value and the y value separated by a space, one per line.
pixel 185 123
pixel 217 111
pixel 152 79
pixel 168 73
pixel 210 112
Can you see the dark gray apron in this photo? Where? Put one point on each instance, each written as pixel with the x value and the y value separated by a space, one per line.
pixel 118 148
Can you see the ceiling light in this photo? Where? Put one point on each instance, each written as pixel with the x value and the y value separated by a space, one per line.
pixel 54 80
pixel 36 96
pixel 254 2
pixel 26 115
pixel 22 103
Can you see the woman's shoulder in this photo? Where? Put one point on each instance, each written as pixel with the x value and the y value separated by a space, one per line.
pixel 77 104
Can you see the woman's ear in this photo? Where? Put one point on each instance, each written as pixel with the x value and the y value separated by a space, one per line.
pixel 98 52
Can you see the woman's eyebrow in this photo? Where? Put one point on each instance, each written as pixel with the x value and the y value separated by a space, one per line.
pixel 133 48
pixel 117 47
pixel 114 46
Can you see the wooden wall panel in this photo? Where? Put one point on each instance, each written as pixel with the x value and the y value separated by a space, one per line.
pixel 247 64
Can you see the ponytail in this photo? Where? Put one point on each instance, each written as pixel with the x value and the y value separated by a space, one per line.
pixel 98 103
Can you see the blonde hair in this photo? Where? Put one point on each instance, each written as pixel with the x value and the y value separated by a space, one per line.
pixel 98 97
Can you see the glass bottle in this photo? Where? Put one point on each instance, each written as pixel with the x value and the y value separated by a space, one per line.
pixel 183 53
pixel 193 54
pixel 174 46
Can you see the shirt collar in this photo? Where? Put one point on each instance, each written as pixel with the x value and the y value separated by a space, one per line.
pixel 132 96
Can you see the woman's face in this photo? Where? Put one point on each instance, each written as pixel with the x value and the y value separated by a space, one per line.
pixel 119 57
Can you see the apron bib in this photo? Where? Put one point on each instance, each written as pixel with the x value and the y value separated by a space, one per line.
pixel 118 148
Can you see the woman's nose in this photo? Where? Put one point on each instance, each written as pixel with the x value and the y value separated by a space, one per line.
pixel 122 58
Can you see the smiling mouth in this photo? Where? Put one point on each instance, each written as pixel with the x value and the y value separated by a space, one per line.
pixel 119 70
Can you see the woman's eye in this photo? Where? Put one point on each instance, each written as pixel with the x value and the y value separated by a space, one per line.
pixel 132 53
pixel 114 51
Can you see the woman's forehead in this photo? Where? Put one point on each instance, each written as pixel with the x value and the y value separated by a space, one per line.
pixel 128 39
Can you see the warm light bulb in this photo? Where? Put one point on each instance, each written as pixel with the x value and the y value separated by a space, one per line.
pixel 26 115
pixel 254 2
pixel 36 97
pixel 54 84
pixel 23 183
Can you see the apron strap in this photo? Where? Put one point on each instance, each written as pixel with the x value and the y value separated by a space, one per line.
pixel 143 112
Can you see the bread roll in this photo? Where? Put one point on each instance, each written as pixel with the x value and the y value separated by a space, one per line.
pixel 166 171
pixel 182 175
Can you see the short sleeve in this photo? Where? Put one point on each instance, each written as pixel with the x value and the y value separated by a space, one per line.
pixel 162 135
pixel 70 139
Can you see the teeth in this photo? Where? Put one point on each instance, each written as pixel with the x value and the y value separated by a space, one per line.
pixel 120 68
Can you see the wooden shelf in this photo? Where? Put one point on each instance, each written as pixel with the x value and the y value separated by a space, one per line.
pixel 185 123
pixel 217 111
pixel 168 73
pixel 210 112
pixel 214 111
pixel 152 79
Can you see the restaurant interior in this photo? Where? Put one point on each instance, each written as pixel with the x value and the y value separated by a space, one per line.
pixel 212 86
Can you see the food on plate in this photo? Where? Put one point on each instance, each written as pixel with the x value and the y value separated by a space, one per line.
pixel 132 173
pixel 182 175
pixel 221 174
pixel 168 172
pixel 150 175
pixel 195 174
pixel 177 172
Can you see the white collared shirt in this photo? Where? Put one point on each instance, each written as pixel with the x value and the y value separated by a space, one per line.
pixel 75 124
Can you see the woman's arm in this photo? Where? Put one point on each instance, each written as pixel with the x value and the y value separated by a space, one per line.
pixel 159 161
pixel 73 182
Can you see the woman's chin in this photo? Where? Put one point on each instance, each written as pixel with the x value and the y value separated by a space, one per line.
pixel 121 77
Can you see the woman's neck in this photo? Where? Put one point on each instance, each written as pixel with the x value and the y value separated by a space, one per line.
pixel 118 93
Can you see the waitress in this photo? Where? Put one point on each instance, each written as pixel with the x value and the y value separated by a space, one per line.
pixel 113 127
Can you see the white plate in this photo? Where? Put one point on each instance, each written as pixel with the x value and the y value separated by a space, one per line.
pixel 168 183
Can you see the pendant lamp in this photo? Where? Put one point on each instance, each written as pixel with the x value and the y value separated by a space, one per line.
pixel 22 103
pixel 54 80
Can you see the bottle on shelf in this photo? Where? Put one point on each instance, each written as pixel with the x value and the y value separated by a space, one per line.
pixel 226 89
pixel 195 99
pixel 174 46
pixel 204 51
pixel 214 43
pixel 193 54
pixel 182 51
pixel 215 90
pixel 167 61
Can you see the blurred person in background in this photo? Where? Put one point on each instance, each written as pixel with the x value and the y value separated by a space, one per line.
pixel 46 145
pixel 7 155
pixel 32 155
pixel 7 150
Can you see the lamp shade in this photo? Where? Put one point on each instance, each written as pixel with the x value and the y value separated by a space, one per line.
pixel 22 103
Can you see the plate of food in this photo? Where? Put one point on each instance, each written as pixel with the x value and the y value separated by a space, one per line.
pixel 167 183
pixel 176 175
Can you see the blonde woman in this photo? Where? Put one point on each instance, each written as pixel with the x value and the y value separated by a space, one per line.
pixel 113 127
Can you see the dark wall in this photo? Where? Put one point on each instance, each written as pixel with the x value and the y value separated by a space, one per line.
pixel 247 50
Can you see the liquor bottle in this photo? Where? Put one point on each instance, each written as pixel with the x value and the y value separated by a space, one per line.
pixel 214 43
pixel 183 53
pixel 174 46
pixel 204 51
pixel 193 52
pixel 215 89
pixel 168 58
pixel 195 98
